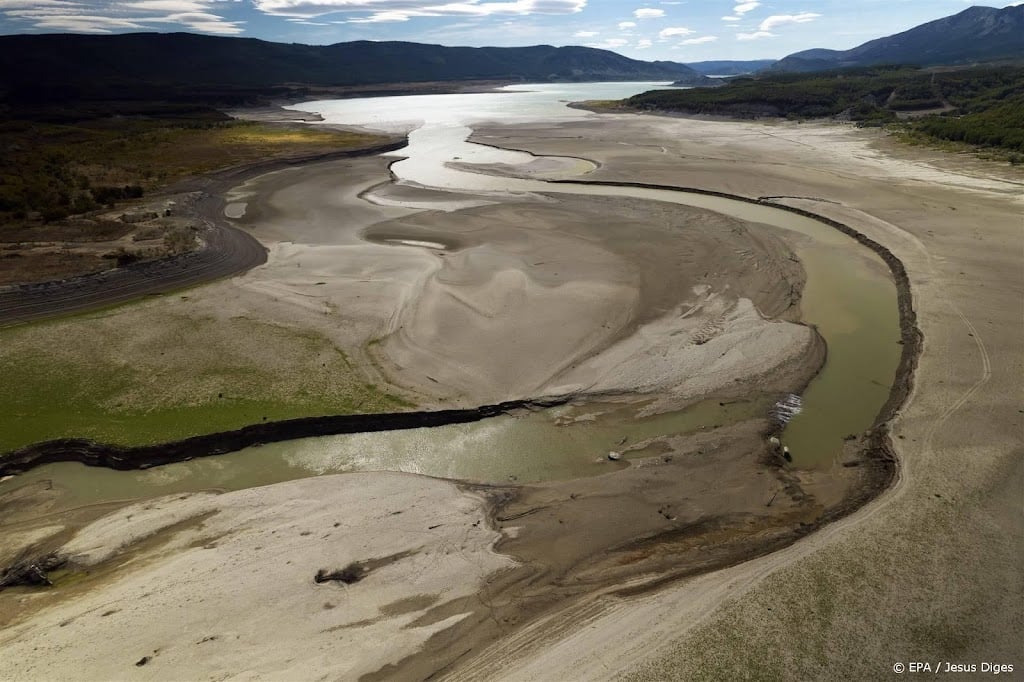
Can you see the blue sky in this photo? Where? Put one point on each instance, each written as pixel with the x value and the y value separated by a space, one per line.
pixel 678 30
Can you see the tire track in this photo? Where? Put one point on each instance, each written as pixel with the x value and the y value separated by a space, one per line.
pixel 986 374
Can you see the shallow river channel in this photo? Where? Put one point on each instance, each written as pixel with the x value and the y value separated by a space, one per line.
pixel 849 296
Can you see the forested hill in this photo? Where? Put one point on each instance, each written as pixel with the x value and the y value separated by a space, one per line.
pixel 47 68
pixel 981 105
pixel 730 67
pixel 978 34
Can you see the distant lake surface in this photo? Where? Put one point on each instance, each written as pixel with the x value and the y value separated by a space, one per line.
pixel 438 125
pixel 510 104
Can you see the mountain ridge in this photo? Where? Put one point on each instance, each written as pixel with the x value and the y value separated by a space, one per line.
pixel 730 67
pixel 50 67
pixel 977 34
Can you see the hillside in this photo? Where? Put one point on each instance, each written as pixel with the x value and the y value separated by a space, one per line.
pixel 978 34
pixel 981 106
pixel 182 66
pixel 730 67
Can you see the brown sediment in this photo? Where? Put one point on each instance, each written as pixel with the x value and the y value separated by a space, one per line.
pixel 656 555
pixel 505 170
pixel 867 588
pixel 520 504
pixel 911 337
pixel 642 543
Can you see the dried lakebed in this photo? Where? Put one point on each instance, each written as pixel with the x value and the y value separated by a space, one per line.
pixel 654 518
pixel 858 330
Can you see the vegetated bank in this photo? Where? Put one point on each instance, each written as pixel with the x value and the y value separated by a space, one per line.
pixel 981 106
pixel 71 188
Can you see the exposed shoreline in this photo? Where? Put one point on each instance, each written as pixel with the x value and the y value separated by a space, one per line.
pixel 879 469
pixel 911 337
pixel 877 465
pixel 117 457
pixel 516 504
pixel 866 589
pixel 226 250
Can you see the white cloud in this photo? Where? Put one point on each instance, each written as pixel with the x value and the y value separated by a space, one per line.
pixel 643 44
pixel 699 41
pixel 757 35
pixel 610 44
pixel 167 5
pixel 227 28
pixel 108 16
pixel 584 34
pixel 375 18
pixel 740 9
pixel 380 11
pixel 34 4
pixel 623 25
pixel 648 13
pixel 78 23
pixel 675 31
pixel 783 19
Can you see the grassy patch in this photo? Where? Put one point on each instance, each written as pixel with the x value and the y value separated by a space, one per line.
pixel 602 105
pixel 141 375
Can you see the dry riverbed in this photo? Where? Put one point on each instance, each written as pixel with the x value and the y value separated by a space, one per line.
pixel 593 294
pixel 931 569
pixel 444 299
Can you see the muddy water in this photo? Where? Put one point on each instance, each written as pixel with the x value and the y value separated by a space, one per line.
pixel 561 443
pixel 849 296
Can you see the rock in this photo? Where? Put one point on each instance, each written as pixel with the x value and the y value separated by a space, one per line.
pixel 138 217
pixel 352 573
pixel 614 456
pixel 31 571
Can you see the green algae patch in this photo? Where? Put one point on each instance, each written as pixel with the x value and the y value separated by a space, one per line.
pixel 131 377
